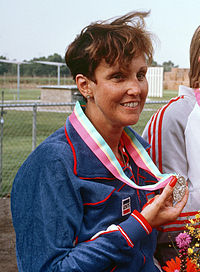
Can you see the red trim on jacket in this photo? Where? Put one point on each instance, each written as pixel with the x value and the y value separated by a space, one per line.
pixel 130 243
pixel 150 195
pixel 101 233
pixel 75 160
pixel 154 137
pixel 97 178
pixel 73 150
pixel 160 132
pixel 121 187
pixel 149 129
pixel 118 228
pixel 186 214
pixel 113 268
pixel 92 204
pixel 175 228
pixel 144 223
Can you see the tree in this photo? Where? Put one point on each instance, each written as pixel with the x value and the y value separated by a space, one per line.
pixel 4 67
pixel 154 63
pixel 55 58
pixel 168 66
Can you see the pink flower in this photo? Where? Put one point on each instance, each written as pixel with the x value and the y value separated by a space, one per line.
pixel 183 240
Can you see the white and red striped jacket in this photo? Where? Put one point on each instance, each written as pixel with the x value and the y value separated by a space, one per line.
pixel 174 134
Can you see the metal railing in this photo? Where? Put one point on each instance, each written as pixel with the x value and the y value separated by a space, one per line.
pixel 23 126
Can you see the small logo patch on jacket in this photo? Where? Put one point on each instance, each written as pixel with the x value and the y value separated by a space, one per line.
pixel 126 206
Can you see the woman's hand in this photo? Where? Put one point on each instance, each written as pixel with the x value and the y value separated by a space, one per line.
pixel 161 209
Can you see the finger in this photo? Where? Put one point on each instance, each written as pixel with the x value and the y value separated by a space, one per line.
pixel 169 201
pixel 168 190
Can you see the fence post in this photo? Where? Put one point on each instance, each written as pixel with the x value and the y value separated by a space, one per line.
pixel 34 127
pixel 1 140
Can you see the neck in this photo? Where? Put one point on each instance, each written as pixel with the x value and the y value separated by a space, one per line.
pixel 110 133
pixel 113 140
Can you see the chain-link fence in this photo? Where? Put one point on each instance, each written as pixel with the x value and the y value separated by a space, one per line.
pixel 24 126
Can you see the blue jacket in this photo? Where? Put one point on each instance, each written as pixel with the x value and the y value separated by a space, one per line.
pixel 71 214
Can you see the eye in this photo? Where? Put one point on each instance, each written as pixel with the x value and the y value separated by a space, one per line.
pixel 141 75
pixel 118 77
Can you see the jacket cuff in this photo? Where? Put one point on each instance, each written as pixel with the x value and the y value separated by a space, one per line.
pixel 136 227
pixel 140 218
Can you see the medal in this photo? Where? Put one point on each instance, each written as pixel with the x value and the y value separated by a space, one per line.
pixel 179 189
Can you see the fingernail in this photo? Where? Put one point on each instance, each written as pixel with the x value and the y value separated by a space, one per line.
pixel 173 182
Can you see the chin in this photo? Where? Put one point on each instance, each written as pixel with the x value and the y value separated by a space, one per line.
pixel 133 121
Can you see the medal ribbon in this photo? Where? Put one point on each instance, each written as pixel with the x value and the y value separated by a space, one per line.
pixel 101 149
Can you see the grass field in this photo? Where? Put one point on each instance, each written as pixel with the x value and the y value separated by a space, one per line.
pixel 17 132
pixel 24 94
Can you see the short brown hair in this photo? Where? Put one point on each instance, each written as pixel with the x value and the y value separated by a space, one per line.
pixel 115 42
pixel 194 73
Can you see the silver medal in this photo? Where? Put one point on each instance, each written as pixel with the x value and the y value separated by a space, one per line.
pixel 179 189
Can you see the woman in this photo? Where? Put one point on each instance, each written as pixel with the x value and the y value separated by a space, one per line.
pixel 176 125
pixel 79 202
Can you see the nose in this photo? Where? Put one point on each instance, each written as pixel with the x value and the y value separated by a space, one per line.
pixel 133 87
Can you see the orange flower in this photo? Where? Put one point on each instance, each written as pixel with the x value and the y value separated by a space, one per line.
pixel 174 266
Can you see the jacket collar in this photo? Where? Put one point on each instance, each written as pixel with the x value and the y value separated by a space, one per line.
pixel 184 90
pixel 104 155
pixel 86 164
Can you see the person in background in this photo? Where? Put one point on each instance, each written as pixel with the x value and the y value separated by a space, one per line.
pixel 80 200
pixel 173 132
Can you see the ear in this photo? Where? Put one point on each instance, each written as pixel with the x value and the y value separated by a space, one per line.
pixel 83 83
pixel 196 84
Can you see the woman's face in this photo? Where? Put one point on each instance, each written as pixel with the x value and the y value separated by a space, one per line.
pixel 117 98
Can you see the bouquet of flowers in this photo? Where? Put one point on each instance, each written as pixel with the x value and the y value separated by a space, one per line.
pixel 188 243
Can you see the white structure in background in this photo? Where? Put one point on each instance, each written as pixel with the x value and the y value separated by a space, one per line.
pixel 155 81
pixel 58 64
pixel 18 71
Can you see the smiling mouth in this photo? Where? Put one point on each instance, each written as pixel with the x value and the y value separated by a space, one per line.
pixel 131 104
